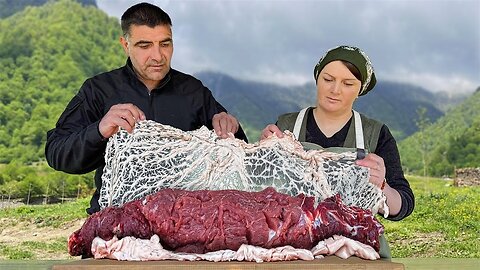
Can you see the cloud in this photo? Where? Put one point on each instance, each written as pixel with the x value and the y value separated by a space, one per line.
pixel 434 44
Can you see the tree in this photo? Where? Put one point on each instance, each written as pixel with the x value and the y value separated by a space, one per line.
pixel 40 71
pixel 463 150
pixel 423 122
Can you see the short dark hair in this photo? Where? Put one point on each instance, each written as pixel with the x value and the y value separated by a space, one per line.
pixel 353 69
pixel 144 14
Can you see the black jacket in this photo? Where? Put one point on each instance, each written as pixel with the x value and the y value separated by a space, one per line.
pixel 76 146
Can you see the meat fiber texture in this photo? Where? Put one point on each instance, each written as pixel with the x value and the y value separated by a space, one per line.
pixel 157 156
pixel 205 221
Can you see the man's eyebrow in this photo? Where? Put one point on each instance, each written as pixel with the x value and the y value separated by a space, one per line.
pixel 142 42
pixel 166 40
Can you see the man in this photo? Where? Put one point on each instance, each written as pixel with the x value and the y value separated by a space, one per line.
pixel 145 88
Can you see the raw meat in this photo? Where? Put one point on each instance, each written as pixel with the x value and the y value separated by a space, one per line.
pixel 204 221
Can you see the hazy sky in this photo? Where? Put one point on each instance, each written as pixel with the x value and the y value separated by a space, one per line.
pixel 433 44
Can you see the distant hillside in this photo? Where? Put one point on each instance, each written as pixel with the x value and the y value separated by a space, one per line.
pixel 452 141
pixel 396 104
pixel 46 53
pixel 258 104
pixel 255 104
pixel 9 7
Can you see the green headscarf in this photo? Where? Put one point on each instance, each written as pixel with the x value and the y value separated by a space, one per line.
pixel 356 57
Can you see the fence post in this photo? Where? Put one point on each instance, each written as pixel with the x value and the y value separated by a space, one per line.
pixel 46 195
pixel 63 190
pixel 78 189
pixel 29 190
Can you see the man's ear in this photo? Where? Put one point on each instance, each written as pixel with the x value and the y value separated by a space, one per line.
pixel 124 43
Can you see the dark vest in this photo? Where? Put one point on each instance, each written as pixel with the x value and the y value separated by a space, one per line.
pixel 371 130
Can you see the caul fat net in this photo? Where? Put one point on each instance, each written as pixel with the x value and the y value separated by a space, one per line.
pixel 157 156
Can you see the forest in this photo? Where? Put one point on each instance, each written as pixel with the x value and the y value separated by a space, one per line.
pixel 45 56
pixel 47 52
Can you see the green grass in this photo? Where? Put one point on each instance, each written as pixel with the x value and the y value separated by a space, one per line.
pixel 444 224
pixel 15 253
pixel 54 215
pixel 29 250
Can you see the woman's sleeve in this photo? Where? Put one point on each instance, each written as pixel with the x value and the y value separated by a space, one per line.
pixel 388 150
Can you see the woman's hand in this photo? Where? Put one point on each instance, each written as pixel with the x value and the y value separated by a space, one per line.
pixel 270 130
pixel 376 167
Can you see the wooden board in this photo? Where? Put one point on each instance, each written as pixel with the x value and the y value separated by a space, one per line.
pixel 331 262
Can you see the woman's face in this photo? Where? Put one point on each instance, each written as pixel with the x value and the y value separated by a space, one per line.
pixel 337 88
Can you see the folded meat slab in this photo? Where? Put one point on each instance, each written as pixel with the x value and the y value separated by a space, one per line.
pixel 210 220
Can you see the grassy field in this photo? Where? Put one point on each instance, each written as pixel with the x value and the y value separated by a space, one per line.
pixel 445 224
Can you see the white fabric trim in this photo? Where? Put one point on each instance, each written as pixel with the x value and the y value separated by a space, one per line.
pixel 360 144
pixel 358 131
pixel 298 123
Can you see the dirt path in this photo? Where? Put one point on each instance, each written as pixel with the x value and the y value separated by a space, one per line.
pixel 46 243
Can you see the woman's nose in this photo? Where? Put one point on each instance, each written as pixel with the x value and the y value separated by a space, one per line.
pixel 335 87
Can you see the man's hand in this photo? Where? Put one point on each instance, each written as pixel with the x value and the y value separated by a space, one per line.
pixel 270 130
pixel 223 123
pixel 120 115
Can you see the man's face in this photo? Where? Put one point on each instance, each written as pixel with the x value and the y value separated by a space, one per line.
pixel 150 50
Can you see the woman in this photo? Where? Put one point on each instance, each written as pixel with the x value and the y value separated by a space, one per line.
pixel 341 75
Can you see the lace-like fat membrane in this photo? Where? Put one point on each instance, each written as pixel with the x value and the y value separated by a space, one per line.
pixel 157 156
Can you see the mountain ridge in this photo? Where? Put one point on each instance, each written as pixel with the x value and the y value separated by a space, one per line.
pixel 260 103
pixel 8 8
pixel 40 71
pixel 452 141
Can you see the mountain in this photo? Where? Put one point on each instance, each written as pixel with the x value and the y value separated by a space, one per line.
pixel 452 141
pixel 9 7
pixel 396 104
pixel 254 104
pixel 45 56
pixel 47 52
pixel 40 71
pixel 258 104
